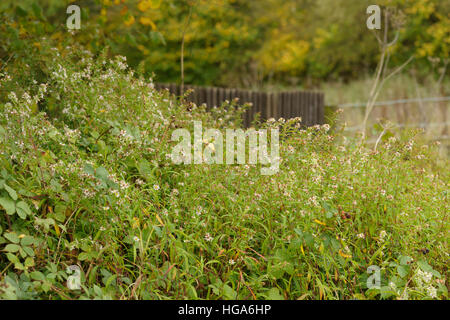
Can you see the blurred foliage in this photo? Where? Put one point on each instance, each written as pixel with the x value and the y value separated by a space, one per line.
pixel 230 42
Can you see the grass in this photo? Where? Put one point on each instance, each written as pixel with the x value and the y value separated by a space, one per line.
pixel 85 181
pixel 431 116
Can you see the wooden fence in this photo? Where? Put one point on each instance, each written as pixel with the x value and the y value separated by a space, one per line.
pixel 285 104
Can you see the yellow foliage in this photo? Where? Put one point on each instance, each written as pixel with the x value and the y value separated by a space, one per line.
pixel 423 7
pixel 58 232
pixel 143 49
pixel 440 31
pixel 321 38
pixel 319 222
pixel 427 49
pixel 283 53
pixel 148 4
pixel 130 21
pixel 146 21
pixel 136 223
pixel 344 255
pixel 144 6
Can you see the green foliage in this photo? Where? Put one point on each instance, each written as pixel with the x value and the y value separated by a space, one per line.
pixel 86 181
pixel 231 42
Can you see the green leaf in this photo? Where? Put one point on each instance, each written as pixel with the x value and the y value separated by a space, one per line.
pixel 45 222
pixel 12 236
pixel 403 271
pixel 29 251
pixel 36 275
pixel 329 210
pixel 37 10
pixel 404 260
pixel 26 241
pixel 23 209
pixel 56 186
pixel 229 292
pixel 12 248
pixel 424 266
pixel 276 271
pixel 145 169
pixel 60 213
pixel 22 252
pixel 13 258
pixel 83 256
pixel 46 286
pixel 274 294
pixel 102 174
pixel 29 262
pixel 89 169
pixel 98 290
pixel 110 280
pixel 299 232
pixel 387 292
pixel 8 205
pixel 436 273
pixel 11 191
pixel 309 239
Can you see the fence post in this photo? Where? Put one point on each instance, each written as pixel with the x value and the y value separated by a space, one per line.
pixel 291 104
pixel 322 108
pixel 309 108
pixel 248 98
pixel 304 106
pixel 215 101
pixel 297 104
pixel 255 104
pixel 265 105
pixel 279 104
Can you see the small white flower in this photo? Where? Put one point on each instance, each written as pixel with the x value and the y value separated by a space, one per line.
pixel 432 292
pixel 156 187
pixel 199 211
pixel 124 185
pixel 382 235
pixel 116 193
pixel 208 237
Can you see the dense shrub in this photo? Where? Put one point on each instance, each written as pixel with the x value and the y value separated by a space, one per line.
pixel 85 180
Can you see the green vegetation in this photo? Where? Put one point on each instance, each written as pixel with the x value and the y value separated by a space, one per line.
pixel 85 177
pixel 85 180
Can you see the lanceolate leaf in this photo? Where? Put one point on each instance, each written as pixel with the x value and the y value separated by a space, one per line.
pixel 11 191
pixel 23 209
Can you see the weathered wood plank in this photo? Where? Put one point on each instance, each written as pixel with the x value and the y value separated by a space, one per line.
pixel 285 104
